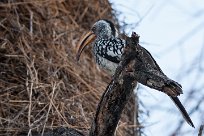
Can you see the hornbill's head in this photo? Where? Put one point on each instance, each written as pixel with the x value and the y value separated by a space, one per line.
pixel 102 29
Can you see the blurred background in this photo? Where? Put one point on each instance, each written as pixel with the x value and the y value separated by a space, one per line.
pixel 173 31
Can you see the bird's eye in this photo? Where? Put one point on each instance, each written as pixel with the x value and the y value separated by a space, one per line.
pixel 93 28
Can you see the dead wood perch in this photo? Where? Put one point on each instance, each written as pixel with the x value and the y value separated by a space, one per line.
pixel 111 106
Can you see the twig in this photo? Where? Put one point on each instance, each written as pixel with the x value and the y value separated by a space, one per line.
pixel 31 24
pixel 201 130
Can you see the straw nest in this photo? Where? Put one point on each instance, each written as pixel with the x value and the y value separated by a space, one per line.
pixel 42 87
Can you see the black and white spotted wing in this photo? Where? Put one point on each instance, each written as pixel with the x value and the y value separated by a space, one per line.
pixel 110 49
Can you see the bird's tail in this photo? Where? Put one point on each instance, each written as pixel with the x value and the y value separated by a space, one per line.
pixel 182 110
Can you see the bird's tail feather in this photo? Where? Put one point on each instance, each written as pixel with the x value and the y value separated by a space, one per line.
pixel 182 110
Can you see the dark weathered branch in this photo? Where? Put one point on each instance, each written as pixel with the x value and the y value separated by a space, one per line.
pixel 111 106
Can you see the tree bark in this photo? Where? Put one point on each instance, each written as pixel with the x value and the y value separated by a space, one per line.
pixel 111 106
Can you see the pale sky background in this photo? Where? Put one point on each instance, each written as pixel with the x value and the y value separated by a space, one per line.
pixel 173 31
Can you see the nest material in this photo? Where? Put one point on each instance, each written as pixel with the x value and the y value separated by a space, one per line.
pixel 41 85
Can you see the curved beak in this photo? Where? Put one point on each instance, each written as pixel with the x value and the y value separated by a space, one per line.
pixel 86 39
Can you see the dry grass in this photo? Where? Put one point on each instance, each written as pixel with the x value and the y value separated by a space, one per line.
pixel 41 85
